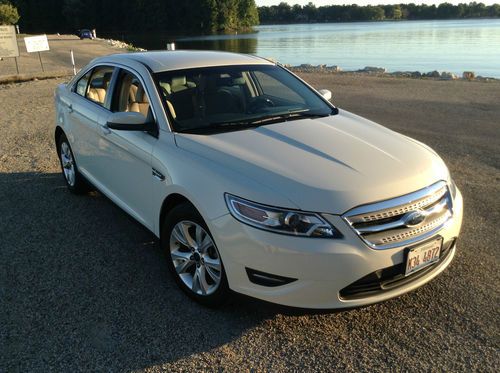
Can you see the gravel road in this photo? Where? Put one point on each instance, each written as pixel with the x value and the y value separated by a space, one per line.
pixel 83 287
pixel 58 57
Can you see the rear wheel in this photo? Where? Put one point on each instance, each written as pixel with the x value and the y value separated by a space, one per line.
pixel 193 257
pixel 74 180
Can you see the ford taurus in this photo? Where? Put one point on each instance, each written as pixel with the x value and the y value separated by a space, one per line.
pixel 254 182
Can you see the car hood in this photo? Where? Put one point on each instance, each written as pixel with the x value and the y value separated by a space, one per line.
pixel 329 164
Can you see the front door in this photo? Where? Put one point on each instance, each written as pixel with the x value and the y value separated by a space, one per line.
pixel 125 156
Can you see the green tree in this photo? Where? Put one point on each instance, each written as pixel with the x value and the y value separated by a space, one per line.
pixel 447 10
pixel 393 11
pixel 227 17
pixel 283 12
pixel 247 13
pixel 8 13
pixel 494 10
pixel 310 11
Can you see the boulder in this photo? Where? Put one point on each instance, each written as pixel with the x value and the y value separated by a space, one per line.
pixel 433 74
pixel 373 70
pixel 334 68
pixel 445 75
pixel 401 74
pixel 469 75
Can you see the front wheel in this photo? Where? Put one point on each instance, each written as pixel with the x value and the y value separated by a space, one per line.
pixel 193 257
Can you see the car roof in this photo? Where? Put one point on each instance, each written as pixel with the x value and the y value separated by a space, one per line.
pixel 159 61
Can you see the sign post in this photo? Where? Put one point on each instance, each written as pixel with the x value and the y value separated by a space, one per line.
pixel 8 43
pixel 41 63
pixel 73 61
pixel 17 65
pixel 38 44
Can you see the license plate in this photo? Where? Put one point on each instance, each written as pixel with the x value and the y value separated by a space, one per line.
pixel 422 256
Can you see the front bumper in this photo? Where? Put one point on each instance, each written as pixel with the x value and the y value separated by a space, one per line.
pixel 321 267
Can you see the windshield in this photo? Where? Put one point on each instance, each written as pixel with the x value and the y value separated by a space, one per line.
pixel 226 98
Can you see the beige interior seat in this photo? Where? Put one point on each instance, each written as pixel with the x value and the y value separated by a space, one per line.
pixel 98 94
pixel 141 103
pixel 180 83
pixel 219 98
pixel 181 99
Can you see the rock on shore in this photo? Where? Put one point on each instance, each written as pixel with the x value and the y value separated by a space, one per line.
pixel 123 45
pixel 381 71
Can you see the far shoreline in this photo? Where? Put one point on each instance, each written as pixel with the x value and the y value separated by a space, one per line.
pixel 87 48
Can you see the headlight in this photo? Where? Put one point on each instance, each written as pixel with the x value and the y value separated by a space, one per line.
pixel 295 223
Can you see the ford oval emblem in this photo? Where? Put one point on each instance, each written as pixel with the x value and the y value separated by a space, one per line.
pixel 414 218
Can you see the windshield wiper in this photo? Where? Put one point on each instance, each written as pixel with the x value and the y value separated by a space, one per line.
pixel 256 122
pixel 265 119
pixel 286 116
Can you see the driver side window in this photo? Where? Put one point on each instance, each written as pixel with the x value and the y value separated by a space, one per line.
pixel 130 95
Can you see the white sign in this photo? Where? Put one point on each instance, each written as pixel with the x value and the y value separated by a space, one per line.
pixel 8 42
pixel 37 43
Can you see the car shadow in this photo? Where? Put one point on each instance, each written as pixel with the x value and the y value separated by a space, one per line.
pixel 82 282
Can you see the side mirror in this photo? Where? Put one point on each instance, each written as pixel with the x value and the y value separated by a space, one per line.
pixel 130 121
pixel 326 93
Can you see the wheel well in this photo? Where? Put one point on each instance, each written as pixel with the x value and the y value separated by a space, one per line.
pixel 169 203
pixel 57 136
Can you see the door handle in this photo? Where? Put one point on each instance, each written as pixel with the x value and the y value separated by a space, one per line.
pixel 70 108
pixel 157 174
pixel 105 129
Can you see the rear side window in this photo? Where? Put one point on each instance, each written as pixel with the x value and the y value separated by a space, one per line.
pixel 99 84
pixel 81 86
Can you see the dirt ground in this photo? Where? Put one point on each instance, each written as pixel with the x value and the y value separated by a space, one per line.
pixel 58 57
pixel 83 287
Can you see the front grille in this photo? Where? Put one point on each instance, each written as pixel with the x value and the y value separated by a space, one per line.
pixel 390 278
pixel 389 224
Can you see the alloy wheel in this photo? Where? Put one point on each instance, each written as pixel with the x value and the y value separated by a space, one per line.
pixel 68 164
pixel 195 258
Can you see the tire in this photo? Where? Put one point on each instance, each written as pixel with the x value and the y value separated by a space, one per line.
pixel 193 258
pixel 73 179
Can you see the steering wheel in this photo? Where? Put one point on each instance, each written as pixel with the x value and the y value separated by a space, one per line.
pixel 259 103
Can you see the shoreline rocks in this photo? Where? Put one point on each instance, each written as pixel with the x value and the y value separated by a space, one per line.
pixel 123 45
pixel 469 75
pixel 372 70
pixel 381 71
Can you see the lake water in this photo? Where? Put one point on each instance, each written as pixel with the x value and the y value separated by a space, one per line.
pixel 451 45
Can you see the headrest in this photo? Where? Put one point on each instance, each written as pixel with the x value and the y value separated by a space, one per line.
pixel 178 80
pixel 141 95
pixel 106 78
pixel 166 87
pixel 239 81
pixel 228 81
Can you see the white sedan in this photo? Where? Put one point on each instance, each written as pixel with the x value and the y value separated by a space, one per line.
pixel 254 182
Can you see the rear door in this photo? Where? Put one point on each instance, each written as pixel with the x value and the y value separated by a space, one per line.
pixel 89 104
pixel 125 156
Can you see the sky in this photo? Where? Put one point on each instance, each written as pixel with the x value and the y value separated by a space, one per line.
pixel 366 2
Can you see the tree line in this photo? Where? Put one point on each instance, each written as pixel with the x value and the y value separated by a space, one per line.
pixel 135 16
pixel 205 16
pixel 285 13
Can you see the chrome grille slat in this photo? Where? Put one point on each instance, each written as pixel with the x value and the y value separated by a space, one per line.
pixel 385 224
pixel 408 233
pixel 401 209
